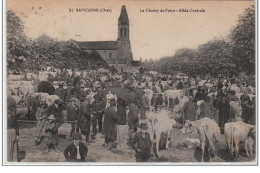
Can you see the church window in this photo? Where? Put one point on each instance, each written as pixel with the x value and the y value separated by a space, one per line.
pixel 110 55
pixel 125 32
pixel 121 32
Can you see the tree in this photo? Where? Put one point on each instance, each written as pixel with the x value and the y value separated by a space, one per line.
pixel 243 41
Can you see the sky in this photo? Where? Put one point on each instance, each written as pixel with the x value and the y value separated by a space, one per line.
pixel 152 35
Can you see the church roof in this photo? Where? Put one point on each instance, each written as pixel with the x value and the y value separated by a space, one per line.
pixel 98 45
pixel 123 18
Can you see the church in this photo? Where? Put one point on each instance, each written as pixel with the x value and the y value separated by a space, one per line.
pixel 116 53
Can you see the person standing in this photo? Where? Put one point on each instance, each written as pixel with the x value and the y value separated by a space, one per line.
pixel 69 92
pixel 189 110
pixel 142 145
pixel 224 111
pixel 72 113
pixel 41 116
pixel 84 119
pixel 76 151
pixel 110 125
pixel 121 111
pixel 98 110
pixel 60 92
pixel 207 109
pixel 12 130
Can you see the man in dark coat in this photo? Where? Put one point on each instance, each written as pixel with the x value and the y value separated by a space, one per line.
pixel 110 125
pixel 56 110
pixel 76 151
pixel 72 113
pixel 142 144
pixel 60 92
pixel 84 120
pixel 121 111
pixel 69 92
pixel 224 111
pixel 98 110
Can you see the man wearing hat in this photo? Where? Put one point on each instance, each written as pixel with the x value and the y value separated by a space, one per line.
pixel 76 151
pixel 41 116
pixel 224 111
pixel 110 125
pixel 69 92
pixel 132 120
pixel 84 119
pixel 82 93
pixel 98 111
pixel 56 109
pixel 72 113
pixel 60 92
pixel 142 144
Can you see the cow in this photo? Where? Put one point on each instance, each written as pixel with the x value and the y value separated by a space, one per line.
pixel 149 94
pixel 235 133
pixel 235 109
pixel 209 133
pixel 159 122
pixel 173 94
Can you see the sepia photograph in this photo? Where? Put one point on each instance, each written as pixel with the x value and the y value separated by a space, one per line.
pixel 129 82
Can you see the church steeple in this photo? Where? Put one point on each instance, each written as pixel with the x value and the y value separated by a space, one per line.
pixel 123 25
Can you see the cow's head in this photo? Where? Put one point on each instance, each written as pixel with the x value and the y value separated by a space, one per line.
pixel 252 132
pixel 187 127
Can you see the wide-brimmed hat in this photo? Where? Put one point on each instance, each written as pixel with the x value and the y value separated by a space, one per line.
pixel 51 117
pixel 76 136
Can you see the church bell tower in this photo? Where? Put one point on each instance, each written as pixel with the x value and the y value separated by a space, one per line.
pixel 123 25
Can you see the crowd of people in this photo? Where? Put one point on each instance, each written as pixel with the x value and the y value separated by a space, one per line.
pixel 98 103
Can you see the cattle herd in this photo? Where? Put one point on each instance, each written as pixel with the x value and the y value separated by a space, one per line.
pixel 165 102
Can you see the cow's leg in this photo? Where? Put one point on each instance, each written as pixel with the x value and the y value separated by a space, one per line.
pixel 236 148
pixel 168 103
pixel 203 151
pixel 157 144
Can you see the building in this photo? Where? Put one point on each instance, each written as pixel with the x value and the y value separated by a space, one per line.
pixel 116 53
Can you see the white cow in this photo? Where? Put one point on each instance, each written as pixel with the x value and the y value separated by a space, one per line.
pixel 237 132
pixel 173 94
pixel 235 109
pixel 159 122
pixel 209 133
pixel 149 94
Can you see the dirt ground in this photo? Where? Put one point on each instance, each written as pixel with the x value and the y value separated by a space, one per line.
pixel 97 153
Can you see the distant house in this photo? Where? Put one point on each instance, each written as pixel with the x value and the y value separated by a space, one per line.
pixel 116 53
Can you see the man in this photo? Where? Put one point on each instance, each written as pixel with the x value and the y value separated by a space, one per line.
pixel 84 119
pixel 142 144
pixel 72 113
pixel 189 110
pixel 69 92
pixel 207 109
pixel 224 111
pixel 180 85
pixel 139 94
pixel 60 92
pixel 56 109
pixel 98 110
pixel 110 125
pixel 132 98
pixel 76 151
pixel 82 94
